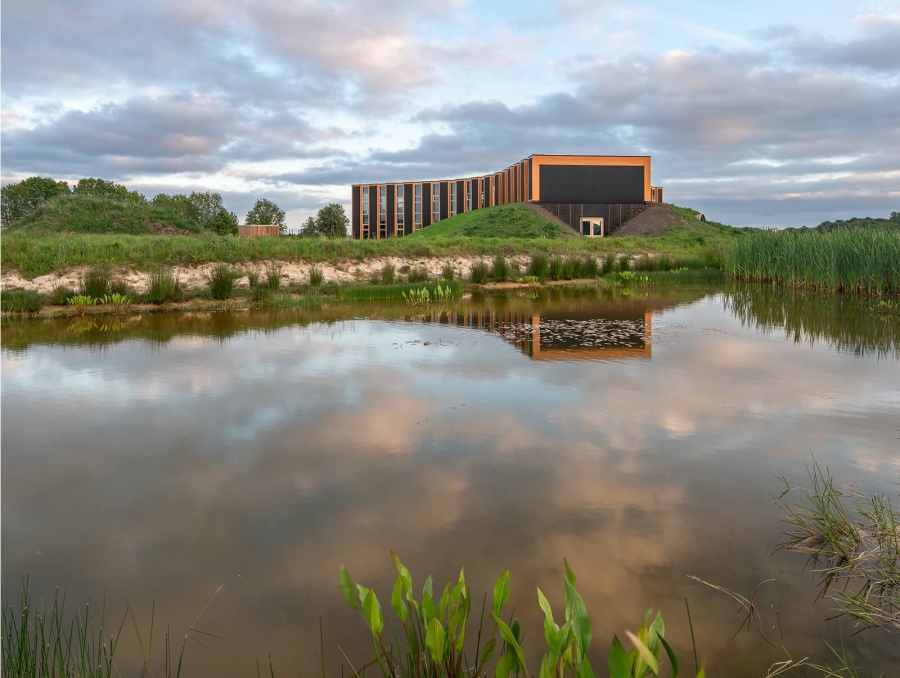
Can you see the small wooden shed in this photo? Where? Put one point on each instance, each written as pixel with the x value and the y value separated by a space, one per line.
pixel 256 230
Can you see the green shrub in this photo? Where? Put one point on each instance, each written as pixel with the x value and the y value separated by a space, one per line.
pixel 479 273
pixel 21 301
pixel 500 271
pixel 120 287
pixel 447 273
pixel 221 281
pixel 387 274
pixel 555 268
pixel 624 263
pixel 315 276
pixel 253 279
pixel 609 264
pixel 59 295
pixel 589 267
pixel 539 266
pixel 164 287
pixel 95 282
pixel 273 276
pixel 417 274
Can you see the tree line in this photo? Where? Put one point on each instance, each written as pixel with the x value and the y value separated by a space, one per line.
pixel 204 210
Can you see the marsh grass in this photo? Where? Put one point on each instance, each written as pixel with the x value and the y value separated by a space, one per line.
pixel 44 643
pixel 852 543
pixel 479 273
pixel 220 281
pixel 447 273
pixel 273 276
pixel 609 264
pixel 388 272
pixel 164 287
pixel 856 261
pixel 391 292
pixel 21 301
pixel 417 274
pixel 500 269
pixel 624 263
pixel 539 267
pixel 59 294
pixel 315 276
pixel 95 282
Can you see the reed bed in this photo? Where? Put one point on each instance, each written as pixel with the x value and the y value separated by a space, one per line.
pixel 852 542
pixel 855 261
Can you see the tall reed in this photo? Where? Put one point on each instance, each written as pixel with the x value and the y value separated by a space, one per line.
pixel 857 261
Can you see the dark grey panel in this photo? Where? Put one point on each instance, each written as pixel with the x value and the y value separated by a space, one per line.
pixel 355 217
pixel 409 208
pixel 591 184
pixel 426 204
pixel 391 208
pixel 445 199
pixel 595 210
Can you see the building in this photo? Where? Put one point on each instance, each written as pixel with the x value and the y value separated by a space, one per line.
pixel 593 194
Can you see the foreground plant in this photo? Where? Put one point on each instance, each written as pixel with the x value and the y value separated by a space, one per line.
pixel 431 639
pixel 852 540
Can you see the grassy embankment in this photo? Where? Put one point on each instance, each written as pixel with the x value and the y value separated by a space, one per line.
pixel 46 242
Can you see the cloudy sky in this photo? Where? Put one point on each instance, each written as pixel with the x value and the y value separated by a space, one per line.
pixel 765 113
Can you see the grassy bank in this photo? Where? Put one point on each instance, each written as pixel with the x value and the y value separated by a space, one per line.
pixel 859 261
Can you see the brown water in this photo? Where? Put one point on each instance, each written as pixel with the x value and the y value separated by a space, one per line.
pixel 639 436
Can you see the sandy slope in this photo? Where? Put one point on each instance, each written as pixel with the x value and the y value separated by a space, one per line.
pixel 191 277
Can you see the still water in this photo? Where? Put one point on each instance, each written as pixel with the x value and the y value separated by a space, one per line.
pixel 641 436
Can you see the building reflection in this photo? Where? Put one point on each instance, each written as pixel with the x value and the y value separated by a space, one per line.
pixel 614 333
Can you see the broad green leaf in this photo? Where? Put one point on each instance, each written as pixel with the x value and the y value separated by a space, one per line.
pixel 445 599
pixel 397 600
pixel 435 638
pixel 503 668
pixel 363 592
pixel 516 630
pixel 570 576
pixel 585 670
pixel 645 653
pixel 501 591
pixel 619 665
pixel 657 631
pixel 511 642
pixel 427 589
pixel 560 642
pixel 673 659
pixel 429 611
pixel 550 627
pixel 347 588
pixel 581 623
pixel 545 669
pixel 487 652
pixel 404 574
pixel 372 611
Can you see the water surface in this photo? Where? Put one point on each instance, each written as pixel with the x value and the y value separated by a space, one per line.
pixel 639 435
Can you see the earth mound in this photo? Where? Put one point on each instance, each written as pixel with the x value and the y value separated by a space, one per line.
pixel 656 219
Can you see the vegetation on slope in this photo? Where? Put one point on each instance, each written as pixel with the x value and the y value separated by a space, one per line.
pixel 502 221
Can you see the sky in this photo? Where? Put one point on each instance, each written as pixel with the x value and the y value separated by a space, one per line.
pixel 765 113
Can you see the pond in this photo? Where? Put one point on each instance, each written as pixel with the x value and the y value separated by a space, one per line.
pixel 638 434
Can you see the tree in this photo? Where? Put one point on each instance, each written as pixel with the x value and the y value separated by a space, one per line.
pixel 267 213
pixel 225 222
pixel 101 188
pixel 332 220
pixel 206 209
pixel 309 228
pixel 22 198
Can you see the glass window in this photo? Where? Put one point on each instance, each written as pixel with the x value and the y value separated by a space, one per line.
pixel 417 221
pixel 400 210
pixel 453 185
pixel 435 202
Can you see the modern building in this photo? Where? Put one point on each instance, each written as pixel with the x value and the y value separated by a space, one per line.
pixel 593 194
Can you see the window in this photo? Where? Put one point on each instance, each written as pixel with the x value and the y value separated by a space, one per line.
pixel 468 196
pixel 435 202
pixel 417 219
pixel 400 211
pixel 365 211
pixel 453 186
pixel 382 211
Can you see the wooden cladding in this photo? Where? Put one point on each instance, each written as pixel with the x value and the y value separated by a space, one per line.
pixel 609 180
pixel 255 231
